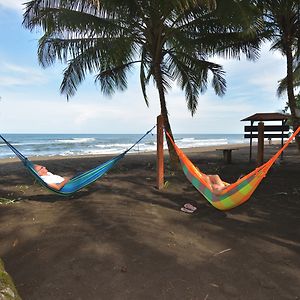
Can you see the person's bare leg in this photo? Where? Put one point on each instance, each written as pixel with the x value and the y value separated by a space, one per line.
pixel 216 180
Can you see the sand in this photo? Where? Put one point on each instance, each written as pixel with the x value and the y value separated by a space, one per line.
pixel 121 238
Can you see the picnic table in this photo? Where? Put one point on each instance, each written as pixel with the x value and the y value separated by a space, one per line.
pixel 227 153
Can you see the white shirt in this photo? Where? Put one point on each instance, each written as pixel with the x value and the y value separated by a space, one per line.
pixel 52 178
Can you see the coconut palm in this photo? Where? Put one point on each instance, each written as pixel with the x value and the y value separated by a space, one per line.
pixel 282 87
pixel 169 40
pixel 282 19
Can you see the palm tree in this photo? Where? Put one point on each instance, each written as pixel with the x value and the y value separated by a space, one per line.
pixel 282 19
pixel 282 88
pixel 169 40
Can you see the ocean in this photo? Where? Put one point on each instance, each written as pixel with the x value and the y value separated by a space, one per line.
pixel 93 144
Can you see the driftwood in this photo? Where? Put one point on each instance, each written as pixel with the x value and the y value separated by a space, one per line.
pixel 8 290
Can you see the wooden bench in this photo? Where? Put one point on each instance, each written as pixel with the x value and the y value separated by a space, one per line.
pixel 227 154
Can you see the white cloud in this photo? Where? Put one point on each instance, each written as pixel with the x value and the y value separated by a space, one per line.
pixel 12 75
pixel 12 4
pixel 263 73
pixel 15 68
pixel 82 114
pixel 251 89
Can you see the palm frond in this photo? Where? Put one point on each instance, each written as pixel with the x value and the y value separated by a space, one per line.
pixel 144 80
pixel 192 76
pixel 114 78
pixel 282 87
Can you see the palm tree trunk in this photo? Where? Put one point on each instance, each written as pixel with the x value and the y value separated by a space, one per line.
pixel 174 160
pixel 290 91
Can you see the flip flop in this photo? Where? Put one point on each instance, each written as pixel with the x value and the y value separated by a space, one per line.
pixel 188 211
pixel 189 206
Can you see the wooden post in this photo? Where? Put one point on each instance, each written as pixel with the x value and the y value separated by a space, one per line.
pixel 250 156
pixel 282 132
pixel 160 153
pixel 260 144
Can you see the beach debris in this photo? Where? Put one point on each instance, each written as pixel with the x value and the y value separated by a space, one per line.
pixel 15 243
pixel 206 297
pixel 23 188
pixel 166 184
pixel 123 269
pixel 215 285
pixel 223 251
pixel 281 193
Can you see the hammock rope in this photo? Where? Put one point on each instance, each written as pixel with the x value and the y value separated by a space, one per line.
pixel 79 181
pixel 235 193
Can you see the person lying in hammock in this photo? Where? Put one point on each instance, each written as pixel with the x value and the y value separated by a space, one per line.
pixel 216 183
pixel 217 186
pixel 54 181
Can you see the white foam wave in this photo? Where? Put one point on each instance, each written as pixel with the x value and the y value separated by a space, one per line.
pixel 76 140
pixel 102 151
pixel 88 145
pixel 108 146
pixel 18 144
pixel 192 142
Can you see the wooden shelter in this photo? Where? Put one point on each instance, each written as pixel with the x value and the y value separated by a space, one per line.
pixel 261 131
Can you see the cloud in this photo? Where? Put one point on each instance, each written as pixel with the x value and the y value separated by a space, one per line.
pixel 85 113
pixel 12 4
pixel 251 89
pixel 262 74
pixel 14 75
pixel 82 114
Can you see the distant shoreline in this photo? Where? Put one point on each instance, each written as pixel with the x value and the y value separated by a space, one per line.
pixel 191 150
pixel 187 150
pixel 66 145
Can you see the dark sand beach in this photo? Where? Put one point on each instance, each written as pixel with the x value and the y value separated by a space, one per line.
pixel 121 238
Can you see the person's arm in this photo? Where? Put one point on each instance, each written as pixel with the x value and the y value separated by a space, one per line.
pixel 58 186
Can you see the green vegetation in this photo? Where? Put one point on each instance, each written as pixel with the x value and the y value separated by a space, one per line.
pixel 170 41
pixel 282 28
pixel 7 288
pixel 6 201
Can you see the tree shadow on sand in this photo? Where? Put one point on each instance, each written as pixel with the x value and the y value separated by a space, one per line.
pixel 124 239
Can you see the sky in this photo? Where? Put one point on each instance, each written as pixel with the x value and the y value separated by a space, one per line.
pixel 31 101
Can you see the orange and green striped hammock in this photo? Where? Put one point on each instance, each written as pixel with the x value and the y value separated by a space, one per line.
pixel 234 194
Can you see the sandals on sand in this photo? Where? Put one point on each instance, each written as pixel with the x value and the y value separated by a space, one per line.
pixel 188 208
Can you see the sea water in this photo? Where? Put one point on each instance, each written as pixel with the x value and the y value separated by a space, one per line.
pixel 95 144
